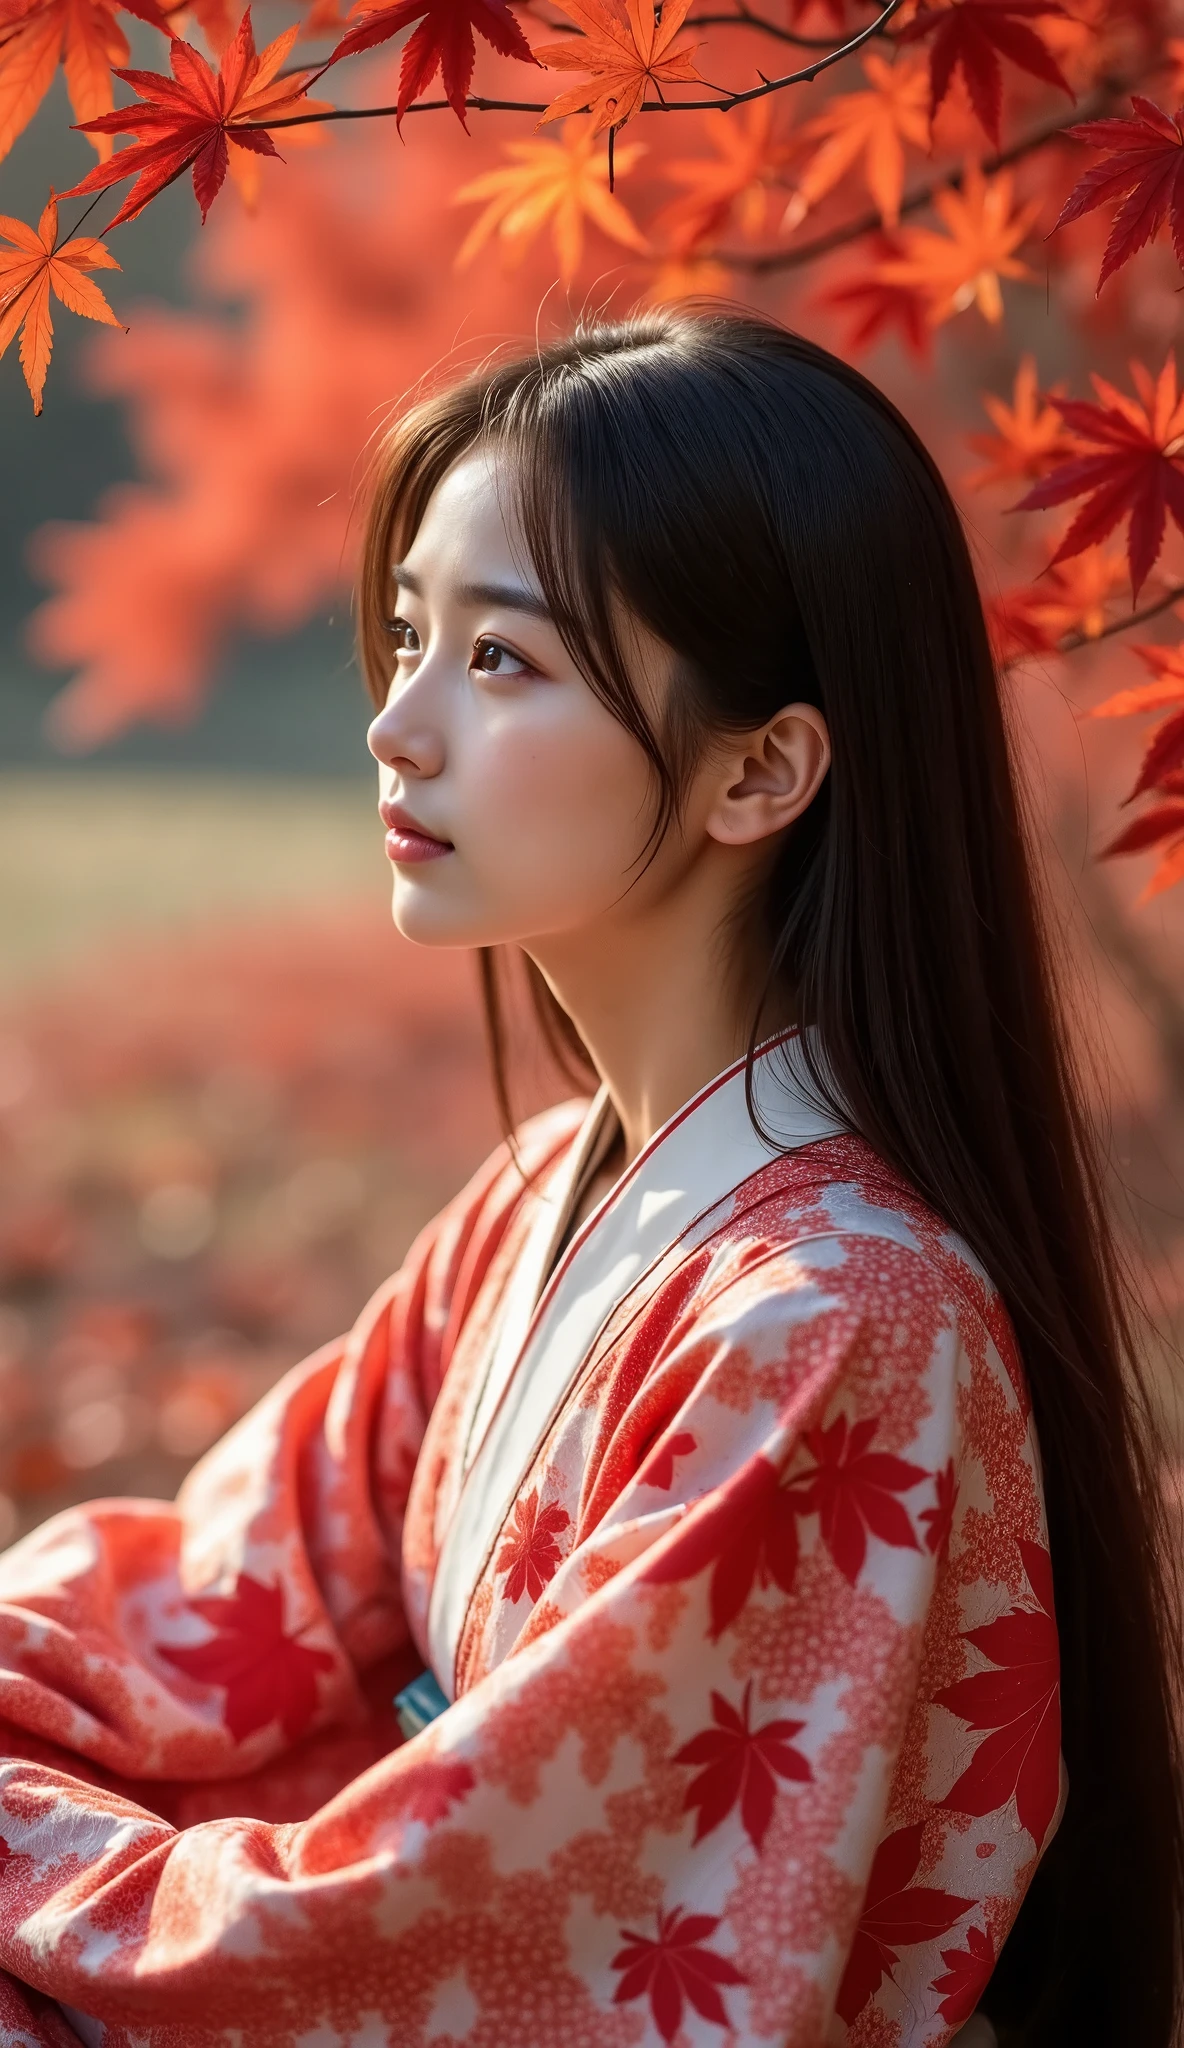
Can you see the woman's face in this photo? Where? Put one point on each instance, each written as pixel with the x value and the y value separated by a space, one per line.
pixel 517 805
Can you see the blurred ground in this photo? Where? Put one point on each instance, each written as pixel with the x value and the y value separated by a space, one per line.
pixel 85 858
pixel 229 1096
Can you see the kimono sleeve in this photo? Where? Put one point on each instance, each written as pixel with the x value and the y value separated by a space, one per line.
pixel 695 1805
pixel 201 1639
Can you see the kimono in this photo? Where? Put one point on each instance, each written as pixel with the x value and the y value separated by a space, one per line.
pixel 723 1536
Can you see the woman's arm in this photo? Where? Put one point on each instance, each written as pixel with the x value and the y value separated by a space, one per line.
pixel 668 1809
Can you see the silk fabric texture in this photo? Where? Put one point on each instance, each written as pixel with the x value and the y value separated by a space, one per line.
pixel 726 1541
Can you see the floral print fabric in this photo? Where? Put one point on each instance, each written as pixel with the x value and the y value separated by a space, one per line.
pixel 756 1735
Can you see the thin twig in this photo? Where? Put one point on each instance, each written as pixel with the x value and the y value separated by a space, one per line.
pixel 1070 642
pixel 83 216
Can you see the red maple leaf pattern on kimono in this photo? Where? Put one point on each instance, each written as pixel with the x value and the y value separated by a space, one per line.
pixel 268 1676
pixel 853 1489
pixel 965 1978
pixel 1019 1702
pixel 740 1763
pixel 674 1969
pixel 659 1470
pixel 896 1914
pixel 748 1534
pixel 530 1555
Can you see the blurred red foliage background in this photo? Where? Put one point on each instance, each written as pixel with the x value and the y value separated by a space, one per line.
pixel 212 1149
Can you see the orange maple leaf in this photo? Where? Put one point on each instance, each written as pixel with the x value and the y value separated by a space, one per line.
pixel 564 182
pixel 84 36
pixel 1071 598
pixel 324 18
pixel 625 48
pixel 195 118
pixel 1167 667
pixel 1030 435
pixel 747 161
pixel 964 266
pixel 29 269
pixel 875 124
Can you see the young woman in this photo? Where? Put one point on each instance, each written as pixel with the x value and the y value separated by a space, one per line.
pixel 742 1456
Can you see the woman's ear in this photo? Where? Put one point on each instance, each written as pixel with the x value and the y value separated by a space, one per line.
pixel 768 777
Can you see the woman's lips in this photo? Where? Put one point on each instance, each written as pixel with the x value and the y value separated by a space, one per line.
pixel 407 842
pixel 403 846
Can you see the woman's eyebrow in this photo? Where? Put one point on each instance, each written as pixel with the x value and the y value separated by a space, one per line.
pixel 511 597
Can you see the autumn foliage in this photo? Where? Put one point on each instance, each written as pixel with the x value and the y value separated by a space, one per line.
pixel 401 183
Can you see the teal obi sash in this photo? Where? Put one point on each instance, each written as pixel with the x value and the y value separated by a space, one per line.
pixel 419 1703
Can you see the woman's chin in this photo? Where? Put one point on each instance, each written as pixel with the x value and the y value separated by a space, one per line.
pixel 424 922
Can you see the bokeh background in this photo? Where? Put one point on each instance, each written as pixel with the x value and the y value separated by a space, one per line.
pixel 229 1095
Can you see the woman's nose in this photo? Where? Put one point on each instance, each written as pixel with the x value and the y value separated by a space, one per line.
pixel 404 738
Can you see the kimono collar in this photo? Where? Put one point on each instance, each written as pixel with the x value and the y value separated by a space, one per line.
pixel 548 1327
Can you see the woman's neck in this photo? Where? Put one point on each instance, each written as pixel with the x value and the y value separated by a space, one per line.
pixel 661 1012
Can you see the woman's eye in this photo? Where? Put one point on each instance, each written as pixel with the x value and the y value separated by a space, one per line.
pixel 494 658
pixel 403 635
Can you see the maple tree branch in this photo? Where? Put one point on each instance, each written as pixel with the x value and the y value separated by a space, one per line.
pixel 478 103
pixel 869 223
pixel 1070 642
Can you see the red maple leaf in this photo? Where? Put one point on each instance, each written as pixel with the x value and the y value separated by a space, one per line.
pixel 746 1531
pixel 1019 1703
pixel 659 1469
pixel 530 1554
pixel 673 1969
pixel 896 1914
pixel 940 1517
pixel 1162 821
pixel 967 1971
pixel 1162 825
pixel 1144 167
pixel 443 42
pixel 268 1676
pixel 853 1489
pixel 740 1763
pixel 195 118
pixel 1136 467
pixel 878 304
pixel 970 36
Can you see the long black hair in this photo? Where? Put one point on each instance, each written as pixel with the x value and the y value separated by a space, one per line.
pixel 765 511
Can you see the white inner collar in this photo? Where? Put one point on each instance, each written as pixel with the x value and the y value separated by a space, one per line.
pixel 548 1327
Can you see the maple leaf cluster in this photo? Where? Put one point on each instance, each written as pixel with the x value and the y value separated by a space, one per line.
pixel 1122 461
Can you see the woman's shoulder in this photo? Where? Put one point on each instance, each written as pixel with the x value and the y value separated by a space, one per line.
pixel 840 1211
